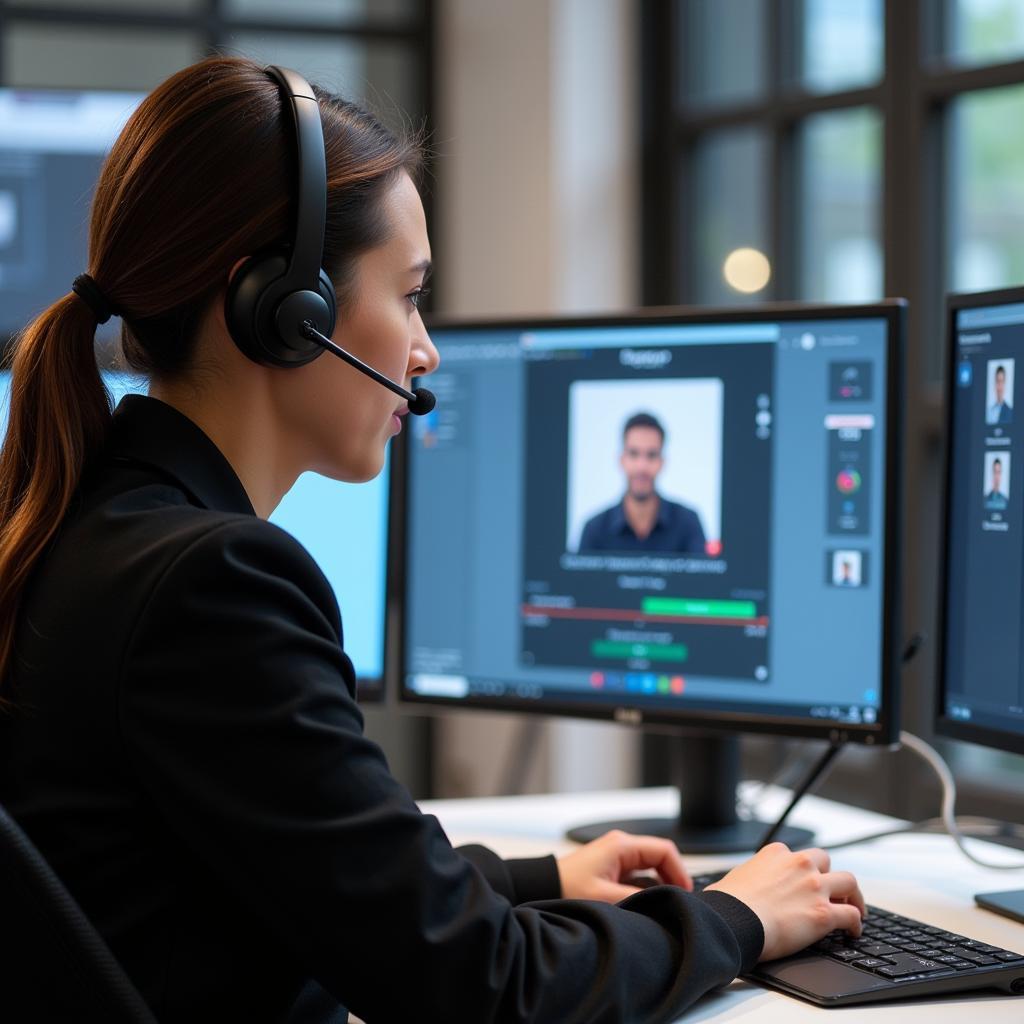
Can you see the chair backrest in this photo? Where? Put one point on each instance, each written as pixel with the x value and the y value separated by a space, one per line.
pixel 54 966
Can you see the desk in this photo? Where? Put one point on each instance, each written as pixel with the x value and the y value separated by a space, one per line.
pixel 925 877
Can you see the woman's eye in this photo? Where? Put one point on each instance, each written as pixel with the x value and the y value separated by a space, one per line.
pixel 415 296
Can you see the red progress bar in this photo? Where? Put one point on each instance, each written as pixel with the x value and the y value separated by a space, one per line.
pixel 624 614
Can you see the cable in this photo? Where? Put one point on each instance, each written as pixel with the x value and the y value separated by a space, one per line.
pixel 934 758
pixel 746 806
pixel 980 828
pixel 818 771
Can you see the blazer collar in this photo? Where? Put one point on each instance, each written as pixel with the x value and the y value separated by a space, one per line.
pixel 149 431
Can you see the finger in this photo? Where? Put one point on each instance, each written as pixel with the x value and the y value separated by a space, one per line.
pixel 640 852
pixel 819 858
pixel 846 917
pixel 841 885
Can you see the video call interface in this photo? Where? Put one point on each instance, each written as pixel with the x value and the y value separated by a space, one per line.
pixel 674 516
pixel 344 528
pixel 984 682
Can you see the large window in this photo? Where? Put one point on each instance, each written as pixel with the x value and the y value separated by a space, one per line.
pixel 372 51
pixel 842 150
pixel 861 148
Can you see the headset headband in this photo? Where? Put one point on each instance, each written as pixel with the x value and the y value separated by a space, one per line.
pixel 307 250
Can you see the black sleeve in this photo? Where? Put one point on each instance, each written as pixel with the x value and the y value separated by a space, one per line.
pixel 519 880
pixel 590 538
pixel 698 541
pixel 237 712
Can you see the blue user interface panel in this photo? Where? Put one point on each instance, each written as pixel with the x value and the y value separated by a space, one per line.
pixel 344 528
pixel 984 664
pixel 676 517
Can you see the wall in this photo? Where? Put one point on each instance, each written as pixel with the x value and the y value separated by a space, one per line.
pixel 537 146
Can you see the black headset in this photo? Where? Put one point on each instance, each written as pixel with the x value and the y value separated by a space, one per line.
pixel 280 307
pixel 276 292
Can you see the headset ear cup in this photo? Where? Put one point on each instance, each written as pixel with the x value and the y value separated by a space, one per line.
pixel 256 293
pixel 326 287
pixel 242 301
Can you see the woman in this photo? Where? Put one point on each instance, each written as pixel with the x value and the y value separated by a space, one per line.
pixel 181 737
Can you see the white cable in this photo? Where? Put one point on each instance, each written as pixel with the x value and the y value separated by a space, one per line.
pixel 934 758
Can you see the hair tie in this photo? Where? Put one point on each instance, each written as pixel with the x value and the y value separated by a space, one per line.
pixel 89 291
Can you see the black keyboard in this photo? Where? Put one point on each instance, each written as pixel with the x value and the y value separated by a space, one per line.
pixel 896 957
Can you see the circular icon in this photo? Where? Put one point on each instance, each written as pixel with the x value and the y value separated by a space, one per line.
pixel 807 341
pixel 848 481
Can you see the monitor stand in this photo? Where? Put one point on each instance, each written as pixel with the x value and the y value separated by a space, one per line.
pixel 706 770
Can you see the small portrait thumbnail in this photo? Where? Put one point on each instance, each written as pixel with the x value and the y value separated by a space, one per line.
pixel 847 568
pixel 997 481
pixel 999 393
pixel 645 466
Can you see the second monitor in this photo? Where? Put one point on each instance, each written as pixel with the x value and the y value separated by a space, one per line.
pixel 685 519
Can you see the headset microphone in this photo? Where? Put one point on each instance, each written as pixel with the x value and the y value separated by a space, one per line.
pixel 420 400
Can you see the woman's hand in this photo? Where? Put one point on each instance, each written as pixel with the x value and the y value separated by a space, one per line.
pixel 798 899
pixel 602 870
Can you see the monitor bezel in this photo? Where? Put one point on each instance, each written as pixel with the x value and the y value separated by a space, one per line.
pixel 884 731
pixel 943 723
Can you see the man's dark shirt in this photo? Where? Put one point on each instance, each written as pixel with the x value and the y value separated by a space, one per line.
pixel 677 529
pixel 186 750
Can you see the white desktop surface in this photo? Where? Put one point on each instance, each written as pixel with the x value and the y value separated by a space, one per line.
pixel 924 877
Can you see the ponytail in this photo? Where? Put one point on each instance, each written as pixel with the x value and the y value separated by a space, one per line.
pixel 59 415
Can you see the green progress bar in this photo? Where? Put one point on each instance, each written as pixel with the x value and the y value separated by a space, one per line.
pixel 652 652
pixel 684 606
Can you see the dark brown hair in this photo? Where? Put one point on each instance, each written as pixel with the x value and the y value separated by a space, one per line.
pixel 201 176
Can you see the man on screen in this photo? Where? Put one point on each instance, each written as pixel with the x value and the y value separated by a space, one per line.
pixel 643 520
pixel 1000 411
pixel 996 498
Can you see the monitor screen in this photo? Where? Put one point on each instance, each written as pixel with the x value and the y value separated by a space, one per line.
pixel 981 692
pixel 681 518
pixel 52 144
pixel 344 528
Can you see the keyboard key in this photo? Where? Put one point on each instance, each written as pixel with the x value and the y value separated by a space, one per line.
pixel 877 949
pixel 870 962
pixel 894 972
pixel 913 964
pixel 913 947
pixel 986 961
pixel 846 954
pixel 1007 957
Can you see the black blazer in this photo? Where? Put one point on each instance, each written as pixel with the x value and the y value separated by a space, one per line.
pixel 187 752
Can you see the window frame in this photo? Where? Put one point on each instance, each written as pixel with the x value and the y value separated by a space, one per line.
pixel 919 84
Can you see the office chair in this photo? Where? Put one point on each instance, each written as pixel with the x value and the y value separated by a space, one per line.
pixel 54 966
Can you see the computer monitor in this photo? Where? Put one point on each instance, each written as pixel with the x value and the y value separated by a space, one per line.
pixel 344 528
pixel 981 662
pixel 685 518
pixel 52 143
